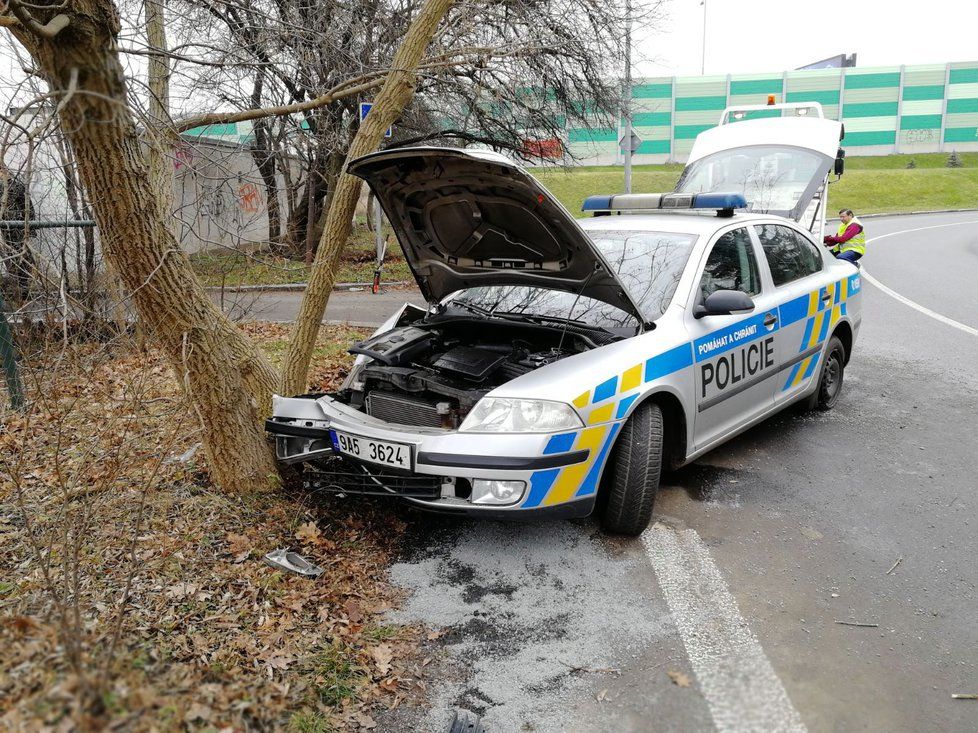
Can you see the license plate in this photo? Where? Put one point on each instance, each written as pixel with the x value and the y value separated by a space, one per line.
pixel 395 455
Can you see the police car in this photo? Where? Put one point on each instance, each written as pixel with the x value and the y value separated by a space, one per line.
pixel 561 364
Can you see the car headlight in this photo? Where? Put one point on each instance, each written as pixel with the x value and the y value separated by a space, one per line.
pixel 505 415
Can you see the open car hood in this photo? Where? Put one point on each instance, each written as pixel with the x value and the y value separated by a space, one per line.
pixel 471 218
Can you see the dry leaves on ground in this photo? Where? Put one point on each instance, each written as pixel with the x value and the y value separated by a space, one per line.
pixel 101 492
pixel 680 679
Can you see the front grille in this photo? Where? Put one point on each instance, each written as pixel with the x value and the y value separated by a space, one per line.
pixel 337 475
pixel 402 410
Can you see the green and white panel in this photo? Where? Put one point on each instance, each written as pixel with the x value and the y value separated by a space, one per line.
pixel 936 108
pixel 754 89
pixel 961 119
pixel 699 103
pixel 870 105
pixel 816 85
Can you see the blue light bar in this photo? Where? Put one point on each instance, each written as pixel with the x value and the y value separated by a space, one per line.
pixel 719 201
pixel 722 203
pixel 597 203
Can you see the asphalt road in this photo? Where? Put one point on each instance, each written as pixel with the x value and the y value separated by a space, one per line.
pixel 725 616
pixel 357 308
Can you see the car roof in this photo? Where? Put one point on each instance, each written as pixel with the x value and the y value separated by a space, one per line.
pixel 699 224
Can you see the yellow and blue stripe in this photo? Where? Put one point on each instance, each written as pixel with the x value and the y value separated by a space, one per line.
pixel 610 400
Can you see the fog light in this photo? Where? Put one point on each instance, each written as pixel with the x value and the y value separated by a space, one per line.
pixel 488 491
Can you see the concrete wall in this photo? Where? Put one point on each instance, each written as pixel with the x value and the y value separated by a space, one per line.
pixel 219 196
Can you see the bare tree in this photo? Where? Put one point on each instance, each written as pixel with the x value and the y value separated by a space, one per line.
pixel 228 381
pixel 395 95
pixel 509 75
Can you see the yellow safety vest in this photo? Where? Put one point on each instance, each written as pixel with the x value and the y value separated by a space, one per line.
pixel 857 243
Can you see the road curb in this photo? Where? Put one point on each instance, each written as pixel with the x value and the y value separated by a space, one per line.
pixel 296 287
pixel 909 213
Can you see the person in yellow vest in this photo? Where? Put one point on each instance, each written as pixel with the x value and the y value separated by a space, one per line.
pixel 849 243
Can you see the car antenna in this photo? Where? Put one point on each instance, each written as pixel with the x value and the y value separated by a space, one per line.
pixel 587 280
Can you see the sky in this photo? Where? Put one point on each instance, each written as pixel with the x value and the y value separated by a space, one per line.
pixel 747 36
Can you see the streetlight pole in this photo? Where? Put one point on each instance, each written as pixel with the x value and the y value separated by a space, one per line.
pixel 626 95
pixel 703 62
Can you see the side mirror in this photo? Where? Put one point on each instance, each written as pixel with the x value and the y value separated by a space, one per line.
pixel 724 303
pixel 840 162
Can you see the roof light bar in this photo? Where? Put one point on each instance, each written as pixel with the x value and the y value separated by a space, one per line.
pixel 722 203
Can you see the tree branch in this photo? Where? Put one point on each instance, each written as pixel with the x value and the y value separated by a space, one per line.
pixel 48 30
pixel 336 93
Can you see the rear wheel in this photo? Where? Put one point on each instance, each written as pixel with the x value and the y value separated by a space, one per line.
pixel 636 464
pixel 830 378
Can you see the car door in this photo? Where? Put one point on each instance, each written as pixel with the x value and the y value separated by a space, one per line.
pixel 806 298
pixel 735 358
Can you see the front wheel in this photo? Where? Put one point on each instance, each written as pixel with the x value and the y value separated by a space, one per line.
pixel 636 463
pixel 830 378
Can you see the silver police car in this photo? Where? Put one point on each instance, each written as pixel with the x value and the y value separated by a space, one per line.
pixel 562 364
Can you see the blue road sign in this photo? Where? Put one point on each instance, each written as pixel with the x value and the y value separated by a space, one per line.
pixel 364 109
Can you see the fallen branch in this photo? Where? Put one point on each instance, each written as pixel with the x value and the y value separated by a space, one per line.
pixel 857 623
pixel 899 560
pixel 597 670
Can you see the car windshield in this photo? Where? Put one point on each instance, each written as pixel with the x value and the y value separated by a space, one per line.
pixel 775 179
pixel 649 265
pixel 548 305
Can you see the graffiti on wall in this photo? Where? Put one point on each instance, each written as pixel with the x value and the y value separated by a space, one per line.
pixel 914 137
pixel 218 198
pixel 249 198
pixel 183 155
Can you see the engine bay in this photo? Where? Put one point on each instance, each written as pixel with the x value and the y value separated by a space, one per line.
pixel 432 372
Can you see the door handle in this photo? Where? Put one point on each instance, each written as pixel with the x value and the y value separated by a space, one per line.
pixel 770 319
pixel 827 297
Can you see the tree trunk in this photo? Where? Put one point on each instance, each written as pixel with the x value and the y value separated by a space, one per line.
pixel 298 222
pixel 394 96
pixel 160 141
pixel 226 379
pixel 264 158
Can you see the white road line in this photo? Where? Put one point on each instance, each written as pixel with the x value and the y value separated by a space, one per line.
pixel 906 301
pixel 917 306
pixel 740 686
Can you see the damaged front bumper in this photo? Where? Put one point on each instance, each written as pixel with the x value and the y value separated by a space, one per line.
pixel 442 470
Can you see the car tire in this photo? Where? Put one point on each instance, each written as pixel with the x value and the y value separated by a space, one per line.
pixel 830 377
pixel 636 464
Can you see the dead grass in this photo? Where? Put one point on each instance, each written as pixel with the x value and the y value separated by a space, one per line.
pixel 230 268
pixel 107 517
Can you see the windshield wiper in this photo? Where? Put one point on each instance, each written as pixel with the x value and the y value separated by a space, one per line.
pixel 540 318
pixel 472 307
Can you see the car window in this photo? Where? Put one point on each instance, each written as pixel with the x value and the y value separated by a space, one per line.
pixel 731 265
pixel 790 255
pixel 649 264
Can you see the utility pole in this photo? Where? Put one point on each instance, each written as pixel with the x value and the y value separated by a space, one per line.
pixel 703 62
pixel 626 97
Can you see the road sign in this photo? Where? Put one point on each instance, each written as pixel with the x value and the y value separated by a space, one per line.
pixel 365 107
pixel 631 145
